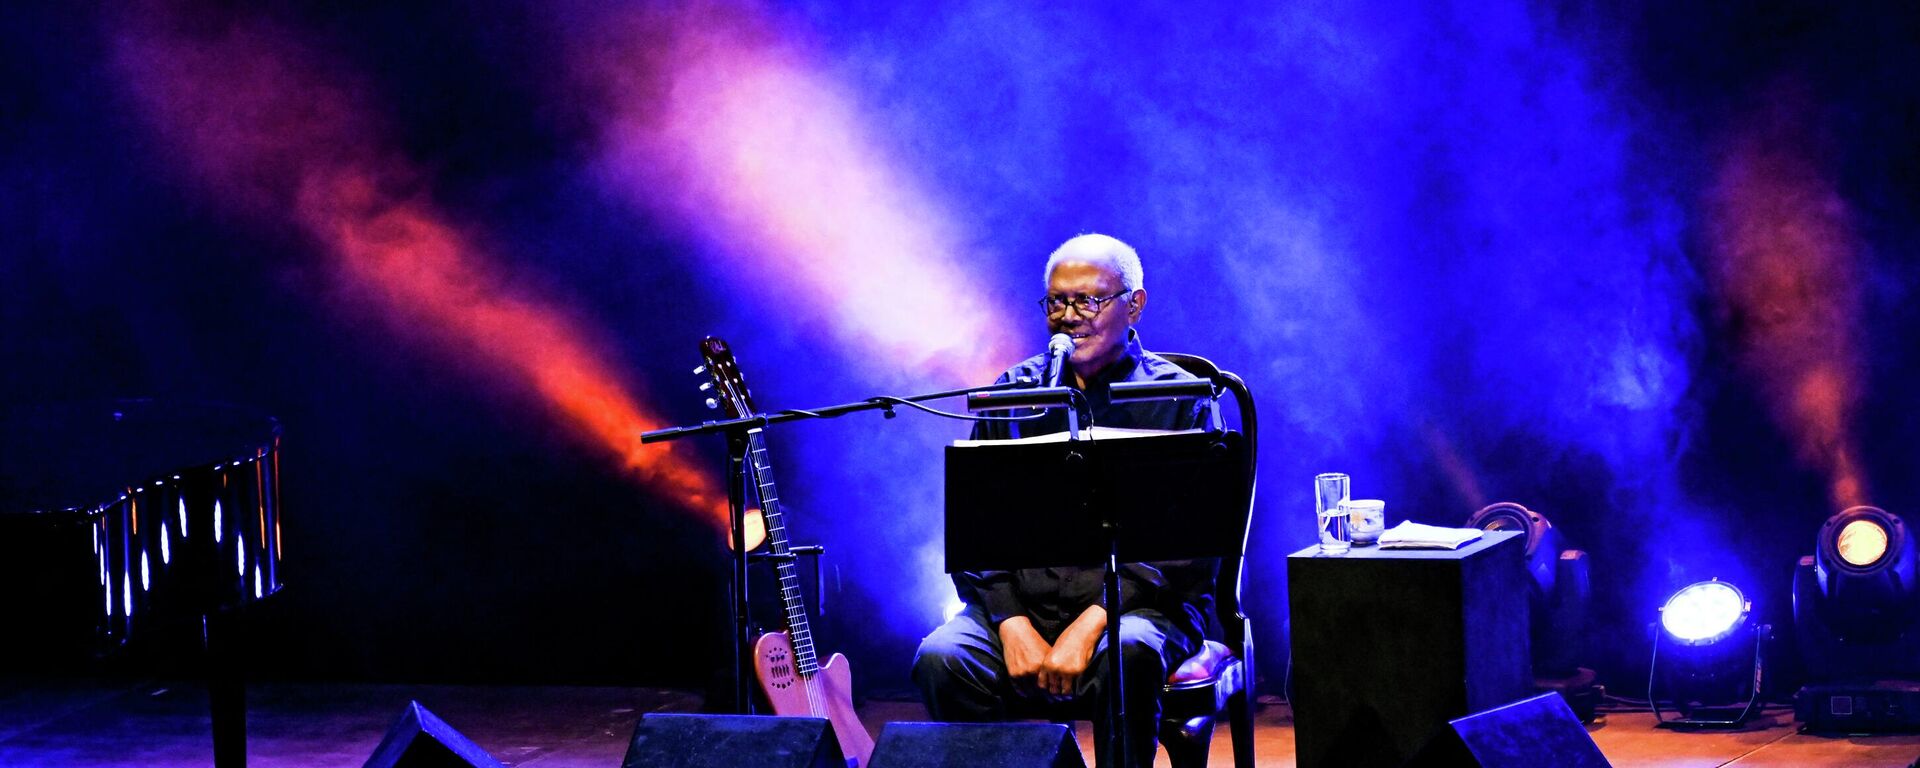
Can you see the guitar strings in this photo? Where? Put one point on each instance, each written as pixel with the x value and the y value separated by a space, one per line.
pixel 776 518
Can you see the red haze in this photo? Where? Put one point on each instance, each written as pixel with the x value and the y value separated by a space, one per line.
pixel 268 128
pixel 1784 267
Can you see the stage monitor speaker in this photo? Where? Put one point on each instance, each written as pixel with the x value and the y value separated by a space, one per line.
pixel 420 740
pixel 1530 732
pixel 976 745
pixel 733 741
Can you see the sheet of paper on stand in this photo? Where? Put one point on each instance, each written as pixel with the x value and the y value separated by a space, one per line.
pixel 1090 433
pixel 1412 535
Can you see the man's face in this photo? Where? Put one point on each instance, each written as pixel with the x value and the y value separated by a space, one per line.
pixel 1101 338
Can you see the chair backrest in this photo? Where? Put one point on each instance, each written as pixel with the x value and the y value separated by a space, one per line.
pixel 1233 621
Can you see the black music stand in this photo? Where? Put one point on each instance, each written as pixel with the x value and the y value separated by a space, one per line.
pixel 1114 500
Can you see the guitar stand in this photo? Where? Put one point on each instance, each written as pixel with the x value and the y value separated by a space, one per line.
pixel 736 430
pixel 810 551
pixel 750 632
pixel 740 604
pixel 740 619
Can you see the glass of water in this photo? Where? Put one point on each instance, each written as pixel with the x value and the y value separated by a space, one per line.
pixel 1330 489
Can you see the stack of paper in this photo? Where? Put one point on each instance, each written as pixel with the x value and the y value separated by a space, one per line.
pixel 1090 433
pixel 1412 535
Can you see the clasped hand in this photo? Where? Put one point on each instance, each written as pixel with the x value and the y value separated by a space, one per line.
pixel 1052 667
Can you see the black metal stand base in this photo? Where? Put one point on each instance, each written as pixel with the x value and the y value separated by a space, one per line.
pixel 226 687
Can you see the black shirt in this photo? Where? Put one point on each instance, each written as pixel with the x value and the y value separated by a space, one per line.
pixel 1052 598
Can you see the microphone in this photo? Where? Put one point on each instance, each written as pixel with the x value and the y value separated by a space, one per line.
pixel 1058 348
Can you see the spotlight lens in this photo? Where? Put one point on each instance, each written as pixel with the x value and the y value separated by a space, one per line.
pixel 1862 543
pixel 1704 612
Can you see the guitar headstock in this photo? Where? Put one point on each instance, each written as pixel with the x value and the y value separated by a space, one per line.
pixel 728 387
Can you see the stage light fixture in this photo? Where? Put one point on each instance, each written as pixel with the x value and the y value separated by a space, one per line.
pixel 1560 594
pixel 1708 657
pixel 1856 611
pixel 1543 540
pixel 1704 613
pixel 1861 543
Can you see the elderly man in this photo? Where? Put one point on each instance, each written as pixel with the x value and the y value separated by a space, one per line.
pixel 1040 633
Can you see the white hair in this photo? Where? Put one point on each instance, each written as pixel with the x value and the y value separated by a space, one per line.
pixel 1101 250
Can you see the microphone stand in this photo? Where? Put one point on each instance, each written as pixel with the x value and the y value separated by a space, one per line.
pixel 736 431
pixel 887 405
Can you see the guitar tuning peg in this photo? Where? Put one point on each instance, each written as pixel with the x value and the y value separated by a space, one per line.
pixel 706 386
pixel 700 370
pixel 712 404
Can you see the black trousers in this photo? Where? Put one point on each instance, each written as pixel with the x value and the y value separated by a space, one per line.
pixel 961 671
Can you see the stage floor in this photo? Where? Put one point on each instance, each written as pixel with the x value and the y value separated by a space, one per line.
pixel 83 724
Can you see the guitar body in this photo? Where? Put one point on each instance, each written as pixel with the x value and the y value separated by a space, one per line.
pixel 832 693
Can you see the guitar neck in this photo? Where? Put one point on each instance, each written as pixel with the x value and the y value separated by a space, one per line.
pixel 805 661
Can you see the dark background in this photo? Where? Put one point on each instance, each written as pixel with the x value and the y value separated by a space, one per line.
pixel 1582 258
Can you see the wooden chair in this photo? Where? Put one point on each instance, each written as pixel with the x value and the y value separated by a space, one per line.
pixel 1220 677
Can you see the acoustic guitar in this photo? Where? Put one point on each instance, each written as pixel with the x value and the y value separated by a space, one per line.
pixel 790 674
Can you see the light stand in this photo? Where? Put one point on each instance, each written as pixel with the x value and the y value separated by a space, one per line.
pixel 1709 648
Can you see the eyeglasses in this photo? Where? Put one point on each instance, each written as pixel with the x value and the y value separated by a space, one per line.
pixel 1087 306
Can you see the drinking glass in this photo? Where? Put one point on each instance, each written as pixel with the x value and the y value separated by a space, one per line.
pixel 1329 490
